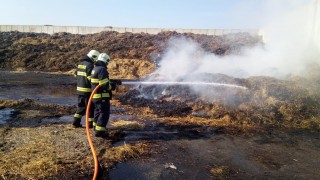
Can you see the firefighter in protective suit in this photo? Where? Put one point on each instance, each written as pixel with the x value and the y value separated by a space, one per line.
pixel 83 74
pixel 101 98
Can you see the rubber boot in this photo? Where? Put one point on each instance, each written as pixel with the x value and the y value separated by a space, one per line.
pixel 100 173
pixel 103 134
pixel 77 123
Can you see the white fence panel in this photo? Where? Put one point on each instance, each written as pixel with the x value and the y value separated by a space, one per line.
pixel 49 29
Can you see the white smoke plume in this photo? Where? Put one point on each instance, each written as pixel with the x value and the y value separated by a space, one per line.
pixel 292 44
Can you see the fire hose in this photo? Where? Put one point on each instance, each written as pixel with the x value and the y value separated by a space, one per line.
pixel 94 153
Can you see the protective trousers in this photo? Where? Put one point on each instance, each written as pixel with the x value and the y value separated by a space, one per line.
pixel 101 114
pixel 81 109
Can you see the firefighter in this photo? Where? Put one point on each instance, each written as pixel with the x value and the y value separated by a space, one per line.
pixel 101 98
pixel 83 74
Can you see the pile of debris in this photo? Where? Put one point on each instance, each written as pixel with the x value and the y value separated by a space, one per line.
pixel 61 51
pixel 266 101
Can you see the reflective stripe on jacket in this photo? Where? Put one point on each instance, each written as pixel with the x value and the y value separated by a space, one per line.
pixel 83 76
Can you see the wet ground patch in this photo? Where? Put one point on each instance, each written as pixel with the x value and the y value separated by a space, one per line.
pixel 5 115
pixel 38 86
pixel 225 157
pixel 29 113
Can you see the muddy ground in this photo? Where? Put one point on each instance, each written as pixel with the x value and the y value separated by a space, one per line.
pixel 269 131
pixel 38 141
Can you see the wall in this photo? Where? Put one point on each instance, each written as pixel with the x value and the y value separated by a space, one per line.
pixel 49 29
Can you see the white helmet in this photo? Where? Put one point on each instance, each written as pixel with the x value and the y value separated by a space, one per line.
pixel 104 57
pixel 93 54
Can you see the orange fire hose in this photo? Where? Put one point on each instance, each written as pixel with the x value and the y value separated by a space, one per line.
pixel 96 162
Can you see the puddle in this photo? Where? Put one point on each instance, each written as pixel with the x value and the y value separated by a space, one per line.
pixel 45 94
pixel 5 115
pixel 68 119
pixel 40 87
pixel 61 120
pixel 116 117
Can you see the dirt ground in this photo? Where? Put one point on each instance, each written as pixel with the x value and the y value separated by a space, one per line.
pixel 269 131
pixel 39 142
pixel 276 155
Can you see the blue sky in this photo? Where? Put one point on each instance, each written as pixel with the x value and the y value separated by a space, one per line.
pixel 200 14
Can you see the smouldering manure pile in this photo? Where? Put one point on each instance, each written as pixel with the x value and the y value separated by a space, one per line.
pixel 266 101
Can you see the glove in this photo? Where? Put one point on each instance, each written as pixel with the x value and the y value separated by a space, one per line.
pixel 113 86
pixel 116 81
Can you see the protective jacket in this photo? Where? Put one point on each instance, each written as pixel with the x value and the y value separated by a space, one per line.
pixel 84 76
pixel 100 76
pixel 101 97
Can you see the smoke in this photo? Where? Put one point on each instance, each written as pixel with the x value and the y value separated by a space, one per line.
pixel 292 40
pixel 182 58
pixel 292 44
pixel 291 36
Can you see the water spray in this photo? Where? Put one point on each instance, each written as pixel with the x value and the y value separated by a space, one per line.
pixel 191 83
